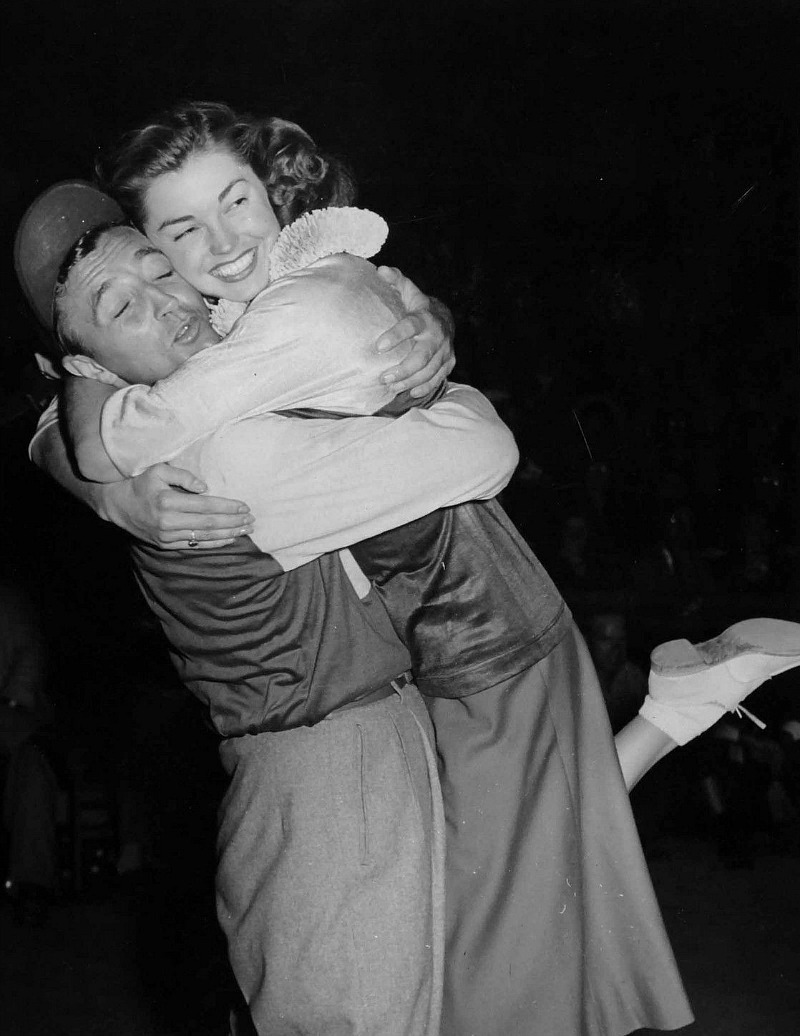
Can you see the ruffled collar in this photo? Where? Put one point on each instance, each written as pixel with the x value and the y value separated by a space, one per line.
pixel 311 237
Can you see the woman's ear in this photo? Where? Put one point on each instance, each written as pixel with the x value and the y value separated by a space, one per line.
pixel 85 367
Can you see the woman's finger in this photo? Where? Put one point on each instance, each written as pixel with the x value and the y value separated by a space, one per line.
pixel 402 332
pixel 201 544
pixel 189 503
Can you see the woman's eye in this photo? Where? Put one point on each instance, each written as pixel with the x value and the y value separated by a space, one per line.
pixel 121 311
pixel 239 201
pixel 183 233
pixel 163 276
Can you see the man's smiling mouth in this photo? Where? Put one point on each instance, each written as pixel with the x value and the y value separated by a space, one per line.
pixel 238 269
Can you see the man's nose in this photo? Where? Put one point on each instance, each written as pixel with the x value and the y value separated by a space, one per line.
pixel 163 302
pixel 221 239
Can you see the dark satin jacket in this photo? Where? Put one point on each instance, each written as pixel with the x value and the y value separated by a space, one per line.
pixel 467 596
pixel 265 649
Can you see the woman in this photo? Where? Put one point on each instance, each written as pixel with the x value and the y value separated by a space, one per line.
pixel 546 879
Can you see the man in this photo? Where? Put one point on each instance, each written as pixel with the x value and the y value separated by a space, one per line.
pixel 273 654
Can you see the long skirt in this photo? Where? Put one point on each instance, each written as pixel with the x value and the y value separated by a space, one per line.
pixel 330 879
pixel 552 924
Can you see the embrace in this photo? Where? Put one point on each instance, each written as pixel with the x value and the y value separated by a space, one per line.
pixel 427 826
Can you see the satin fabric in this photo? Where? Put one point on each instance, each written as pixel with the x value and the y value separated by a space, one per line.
pixel 552 924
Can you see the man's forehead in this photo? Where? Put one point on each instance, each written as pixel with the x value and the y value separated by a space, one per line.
pixel 119 250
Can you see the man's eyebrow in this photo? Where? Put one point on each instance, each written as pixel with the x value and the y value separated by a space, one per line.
pixel 97 296
pixel 223 194
pixel 145 250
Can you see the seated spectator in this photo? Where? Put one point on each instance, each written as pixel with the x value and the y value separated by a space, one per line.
pixel 31 790
pixel 623 683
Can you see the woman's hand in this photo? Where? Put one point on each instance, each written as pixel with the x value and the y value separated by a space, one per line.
pixel 428 328
pixel 165 506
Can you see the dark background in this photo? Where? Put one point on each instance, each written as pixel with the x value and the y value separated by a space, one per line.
pixel 606 194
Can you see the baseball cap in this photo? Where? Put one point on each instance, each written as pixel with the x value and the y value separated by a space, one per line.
pixel 48 230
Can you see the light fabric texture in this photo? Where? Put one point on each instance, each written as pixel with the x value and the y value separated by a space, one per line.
pixel 315 486
pixel 306 340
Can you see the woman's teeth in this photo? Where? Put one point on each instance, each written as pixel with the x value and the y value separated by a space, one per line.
pixel 234 270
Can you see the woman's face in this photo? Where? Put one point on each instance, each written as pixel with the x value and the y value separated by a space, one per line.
pixel 213 219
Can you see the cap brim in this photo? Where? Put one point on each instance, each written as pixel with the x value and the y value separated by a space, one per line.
pixel 49 229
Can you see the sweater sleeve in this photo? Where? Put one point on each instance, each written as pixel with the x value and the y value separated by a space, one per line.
pixel 307 341
pixel 320 485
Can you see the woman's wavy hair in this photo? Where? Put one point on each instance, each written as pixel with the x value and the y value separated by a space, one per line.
pixel 283 156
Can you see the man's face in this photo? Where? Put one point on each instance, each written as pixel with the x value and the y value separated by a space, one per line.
pixel 131 311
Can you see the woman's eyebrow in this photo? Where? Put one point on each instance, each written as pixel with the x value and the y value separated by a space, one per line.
pixel 170 222
pixel 221 197
pixel 224 194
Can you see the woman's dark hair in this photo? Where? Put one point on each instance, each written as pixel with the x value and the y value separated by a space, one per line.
pixel 297 176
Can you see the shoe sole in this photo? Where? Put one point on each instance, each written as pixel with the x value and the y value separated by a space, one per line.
pixel 755 638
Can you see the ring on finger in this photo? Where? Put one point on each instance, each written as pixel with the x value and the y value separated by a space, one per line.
pixel 193 540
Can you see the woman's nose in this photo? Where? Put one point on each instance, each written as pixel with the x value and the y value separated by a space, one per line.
pixel 221 240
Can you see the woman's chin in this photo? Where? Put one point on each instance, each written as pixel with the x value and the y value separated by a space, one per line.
pixel 238 291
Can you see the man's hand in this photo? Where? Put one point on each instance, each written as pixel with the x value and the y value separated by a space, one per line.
pixel 428 328
pixel 165 506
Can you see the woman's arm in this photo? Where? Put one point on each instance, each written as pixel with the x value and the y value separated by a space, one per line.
pixel 307 341
pixel 320 485
pixel 429 328
pixel 163 506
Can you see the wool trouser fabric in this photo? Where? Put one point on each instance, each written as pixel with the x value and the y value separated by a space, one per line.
pixel 330 878
pixel 552 924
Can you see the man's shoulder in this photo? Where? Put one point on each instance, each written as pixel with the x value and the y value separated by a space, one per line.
pixel 48 418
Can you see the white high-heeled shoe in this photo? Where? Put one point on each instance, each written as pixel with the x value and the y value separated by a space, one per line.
pixel 691 686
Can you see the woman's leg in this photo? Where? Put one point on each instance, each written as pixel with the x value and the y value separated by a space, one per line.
pixel 692 686
pixel 640 746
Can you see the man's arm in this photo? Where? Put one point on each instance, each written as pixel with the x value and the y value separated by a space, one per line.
pixel 83 400
pixel 320 485
pixel 307 341
pixel 163 506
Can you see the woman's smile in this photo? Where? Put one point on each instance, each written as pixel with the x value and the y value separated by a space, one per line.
pixel 237 269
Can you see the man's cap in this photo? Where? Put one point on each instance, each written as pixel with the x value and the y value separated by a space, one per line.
pixel 48 230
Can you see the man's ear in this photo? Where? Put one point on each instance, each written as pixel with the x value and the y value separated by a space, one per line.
pixel 47 367
pixel 85 367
